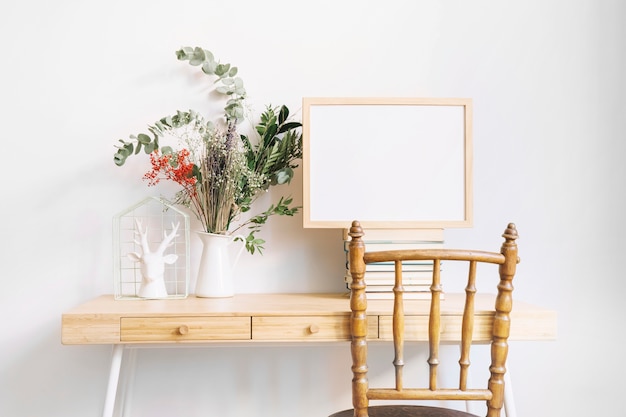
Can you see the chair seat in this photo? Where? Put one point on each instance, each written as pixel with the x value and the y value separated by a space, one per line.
pixel 406 411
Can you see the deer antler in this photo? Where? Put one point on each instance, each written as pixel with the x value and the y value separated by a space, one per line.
pixel 144 236
pixel 168 238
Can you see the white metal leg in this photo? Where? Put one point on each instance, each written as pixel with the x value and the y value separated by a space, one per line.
pixel 128 381
pixel 114 377
pixel 468 407
pixel 509 401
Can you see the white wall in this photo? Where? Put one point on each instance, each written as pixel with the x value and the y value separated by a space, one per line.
pixel 547 80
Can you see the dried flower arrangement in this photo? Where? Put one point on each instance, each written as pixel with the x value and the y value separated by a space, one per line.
pixel 221 172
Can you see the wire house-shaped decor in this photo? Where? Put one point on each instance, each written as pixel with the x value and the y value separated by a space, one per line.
pixel 158 227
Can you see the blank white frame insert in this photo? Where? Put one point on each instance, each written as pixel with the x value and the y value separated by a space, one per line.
pixel 387 162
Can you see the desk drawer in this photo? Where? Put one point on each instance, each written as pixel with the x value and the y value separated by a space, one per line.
pixel 167 329
pixel 301 328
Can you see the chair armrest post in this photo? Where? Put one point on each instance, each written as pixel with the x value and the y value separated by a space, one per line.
pixel 358 320
pixel 502 321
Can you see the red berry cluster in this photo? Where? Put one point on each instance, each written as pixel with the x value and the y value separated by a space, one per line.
pixel 173 167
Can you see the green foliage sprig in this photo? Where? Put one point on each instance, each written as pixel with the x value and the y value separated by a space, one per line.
pixel 254 224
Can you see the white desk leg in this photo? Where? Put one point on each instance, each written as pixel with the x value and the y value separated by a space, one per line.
pixel 509 401
pixel 114 377
pixel 127 381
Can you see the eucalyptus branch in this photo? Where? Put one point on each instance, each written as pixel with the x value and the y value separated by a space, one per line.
pixel 231 85
pixel 162 126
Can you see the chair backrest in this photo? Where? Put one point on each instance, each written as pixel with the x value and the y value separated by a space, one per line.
pixel 493 392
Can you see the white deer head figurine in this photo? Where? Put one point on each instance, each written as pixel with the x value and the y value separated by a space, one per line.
pixel 153 263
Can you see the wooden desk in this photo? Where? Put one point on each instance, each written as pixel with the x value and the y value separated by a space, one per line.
pixel 252 318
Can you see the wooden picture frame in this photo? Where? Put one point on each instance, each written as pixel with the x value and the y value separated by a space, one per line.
pixel 387 162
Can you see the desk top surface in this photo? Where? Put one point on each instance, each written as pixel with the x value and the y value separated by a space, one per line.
pixel 101 319
pixel 281 304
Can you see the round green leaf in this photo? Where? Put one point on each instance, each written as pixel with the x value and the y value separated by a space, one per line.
pixel 119 159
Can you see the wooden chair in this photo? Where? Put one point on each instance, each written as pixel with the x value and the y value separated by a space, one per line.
pixel 493 393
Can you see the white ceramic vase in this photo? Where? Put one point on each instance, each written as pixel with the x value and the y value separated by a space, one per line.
pixel 215 272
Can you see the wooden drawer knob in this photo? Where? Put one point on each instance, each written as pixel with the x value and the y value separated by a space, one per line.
pixel 314 328
pixel 183 330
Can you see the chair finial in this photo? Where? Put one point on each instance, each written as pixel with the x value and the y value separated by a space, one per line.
pixel 510 234
pixel 356 231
